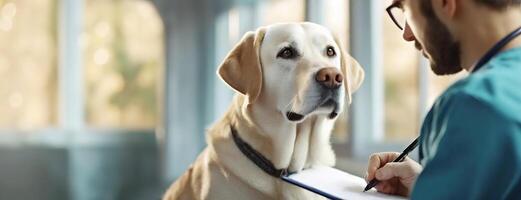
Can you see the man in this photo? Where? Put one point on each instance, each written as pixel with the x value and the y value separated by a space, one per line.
pixel 470 141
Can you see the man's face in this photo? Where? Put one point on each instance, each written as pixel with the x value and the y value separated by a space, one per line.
pixel 431 36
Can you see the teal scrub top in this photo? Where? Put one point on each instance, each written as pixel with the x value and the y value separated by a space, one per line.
pixel 470 141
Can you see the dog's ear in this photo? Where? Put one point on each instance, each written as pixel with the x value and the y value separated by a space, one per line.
pixel 352 70
pixel 241 69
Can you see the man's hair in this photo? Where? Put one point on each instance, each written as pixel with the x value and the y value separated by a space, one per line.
pixel 426 5
pixel 499 4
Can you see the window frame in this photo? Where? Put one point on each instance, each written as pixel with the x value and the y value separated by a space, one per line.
pixel 71 125
pixel 366 46
pixel 184 141
pixel 71 112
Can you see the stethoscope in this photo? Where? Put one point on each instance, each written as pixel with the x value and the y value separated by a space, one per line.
pixel 496 49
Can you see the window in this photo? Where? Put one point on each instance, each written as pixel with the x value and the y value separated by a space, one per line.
pixel 337 20
pixel 439 84
pixel 275 11
pixel 410 86
pixel 401 69
pixel 122 56
pixel 121 63
pixel 42 96
pixel 398 88
pixel 28 64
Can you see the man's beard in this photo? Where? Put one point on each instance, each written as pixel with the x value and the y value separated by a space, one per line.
pixel 443 49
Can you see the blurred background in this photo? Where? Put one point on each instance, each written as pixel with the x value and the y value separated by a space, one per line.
pixel 109 99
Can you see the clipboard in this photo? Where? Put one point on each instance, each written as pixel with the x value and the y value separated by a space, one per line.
pixel 335 184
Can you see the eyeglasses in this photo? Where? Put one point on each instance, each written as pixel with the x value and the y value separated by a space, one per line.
pixel 395 11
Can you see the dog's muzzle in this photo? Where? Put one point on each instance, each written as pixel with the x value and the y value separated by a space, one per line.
pixel 328 102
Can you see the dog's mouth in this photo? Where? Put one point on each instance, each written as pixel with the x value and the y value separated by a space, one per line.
pixel 327 104
pixel 330 103
pixel 293 116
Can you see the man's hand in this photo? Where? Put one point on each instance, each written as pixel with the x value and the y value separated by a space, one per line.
pixel 395 178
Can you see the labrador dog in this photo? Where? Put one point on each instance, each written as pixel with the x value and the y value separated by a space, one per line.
pixel 292 81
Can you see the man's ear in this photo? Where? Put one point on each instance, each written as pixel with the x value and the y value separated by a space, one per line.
pixel 353 72
pixel 444 8
pixel 241 69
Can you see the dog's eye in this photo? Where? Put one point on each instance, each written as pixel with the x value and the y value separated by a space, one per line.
pixel 287 53
pixel 330 51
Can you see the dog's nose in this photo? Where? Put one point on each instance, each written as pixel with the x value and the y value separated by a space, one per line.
pixel 329 77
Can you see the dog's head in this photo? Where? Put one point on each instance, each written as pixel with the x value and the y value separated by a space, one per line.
pixel 299 69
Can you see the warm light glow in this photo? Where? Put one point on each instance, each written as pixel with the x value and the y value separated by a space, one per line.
pixel 6 24
pixel 282 11
pixel 102 56
pixel 16 100
pixel 4 65
pixel 9 10
pixel 7 16
pixel 103 29
pixel 120 91
pixel 233 25
pixel 123 43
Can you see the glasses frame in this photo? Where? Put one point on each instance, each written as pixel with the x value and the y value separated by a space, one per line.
pixel 388 9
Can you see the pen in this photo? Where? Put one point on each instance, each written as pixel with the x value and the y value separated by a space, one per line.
pixel 400 158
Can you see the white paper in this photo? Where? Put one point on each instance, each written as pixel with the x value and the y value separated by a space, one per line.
pixel 338 183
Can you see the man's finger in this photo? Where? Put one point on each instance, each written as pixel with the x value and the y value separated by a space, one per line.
pixel 380 187
pixel 377 160
pixel 385 187
pixel 374 164
pixel 391 170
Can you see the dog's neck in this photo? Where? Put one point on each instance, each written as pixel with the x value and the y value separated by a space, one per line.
pixel 285 144
pixel 276 130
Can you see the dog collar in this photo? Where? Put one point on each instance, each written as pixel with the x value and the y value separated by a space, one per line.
pixel 256 157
